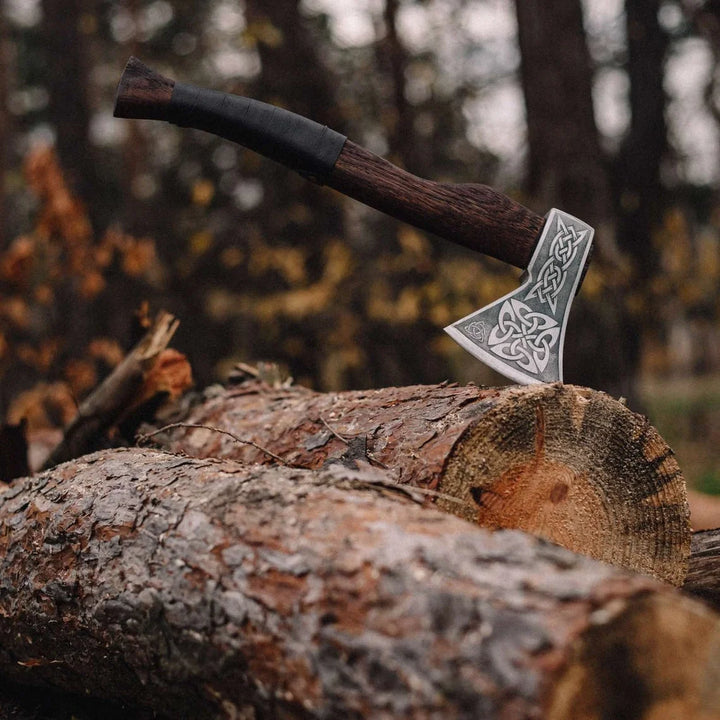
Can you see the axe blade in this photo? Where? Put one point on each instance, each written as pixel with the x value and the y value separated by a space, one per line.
pixel 521 335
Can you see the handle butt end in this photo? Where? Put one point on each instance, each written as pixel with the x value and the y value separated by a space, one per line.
pixel 142 93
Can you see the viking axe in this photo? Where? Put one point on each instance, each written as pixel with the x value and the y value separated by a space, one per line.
pixel 520 335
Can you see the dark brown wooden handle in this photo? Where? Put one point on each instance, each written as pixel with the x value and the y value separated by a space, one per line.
pixel 475 216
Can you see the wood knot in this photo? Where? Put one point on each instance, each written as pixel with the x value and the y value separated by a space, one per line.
pixel 559 492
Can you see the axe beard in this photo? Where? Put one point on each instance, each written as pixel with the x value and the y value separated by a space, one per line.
pixel 521 335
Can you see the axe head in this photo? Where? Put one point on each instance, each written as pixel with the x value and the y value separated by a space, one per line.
pixel 521 335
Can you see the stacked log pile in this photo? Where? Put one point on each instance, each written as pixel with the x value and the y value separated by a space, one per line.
pixel 383 554
pixel 565 463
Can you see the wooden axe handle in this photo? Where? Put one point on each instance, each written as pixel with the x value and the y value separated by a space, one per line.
pixel 475 216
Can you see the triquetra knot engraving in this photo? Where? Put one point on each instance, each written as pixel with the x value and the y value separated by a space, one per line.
pixel 524 336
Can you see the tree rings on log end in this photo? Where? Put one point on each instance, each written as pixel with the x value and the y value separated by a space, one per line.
pixel 578 468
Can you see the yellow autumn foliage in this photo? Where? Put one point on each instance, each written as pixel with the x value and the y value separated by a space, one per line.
pixel 262 31
pixel 287 261
pixel 203 191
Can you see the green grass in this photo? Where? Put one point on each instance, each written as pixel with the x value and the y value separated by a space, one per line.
pixel 708 482
pixel 686 412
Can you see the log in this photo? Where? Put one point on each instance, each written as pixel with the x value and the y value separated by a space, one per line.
pixel 207 588
pixel 703 578
pixel 565 463
pixel 115 396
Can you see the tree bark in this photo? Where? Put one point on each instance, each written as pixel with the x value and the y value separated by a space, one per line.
pixel 569 464
pixel 19 702
pixel 703 578
pixel 206 588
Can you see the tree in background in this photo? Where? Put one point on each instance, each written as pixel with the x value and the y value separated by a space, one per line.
pixel 4 122
pixel 66 27
pixel 568 169
pixel 260 264
pixel 565 166
pixel 639 191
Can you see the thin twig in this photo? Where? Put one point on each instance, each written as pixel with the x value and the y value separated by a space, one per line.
pixel 198 426
pixel 410 490
pixel 439 495
pixel 334 432
pixel 379 463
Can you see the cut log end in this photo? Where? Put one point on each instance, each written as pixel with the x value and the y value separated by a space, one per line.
pixel 142 93
pixel 578 468
pixel 665 670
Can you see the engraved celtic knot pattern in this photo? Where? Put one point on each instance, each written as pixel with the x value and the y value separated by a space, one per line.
pixel 477 330
pixel 520 334
pixel 524 335
pixel 553 273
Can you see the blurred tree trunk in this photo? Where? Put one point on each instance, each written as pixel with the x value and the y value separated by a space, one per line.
pixel 67 73
pixel 292 69
pixel 296 216
pixel 134 150
pixel 370 342
pixel 565 164
pixel 4 123
pixel 639 190
pixel 394 56
pixel 566 169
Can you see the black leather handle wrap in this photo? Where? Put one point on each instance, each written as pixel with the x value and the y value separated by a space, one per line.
pixel 292 140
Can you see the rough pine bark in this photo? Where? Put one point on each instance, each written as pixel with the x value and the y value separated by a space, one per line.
pixel 703 578
pixel 207 588
pixel 569 464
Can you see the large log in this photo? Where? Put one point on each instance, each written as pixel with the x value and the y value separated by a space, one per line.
pixel 565 463
pixel 116 395
pixel 703 578
pixel 206 588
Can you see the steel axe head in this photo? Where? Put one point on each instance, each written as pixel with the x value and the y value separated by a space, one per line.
pixel 521 335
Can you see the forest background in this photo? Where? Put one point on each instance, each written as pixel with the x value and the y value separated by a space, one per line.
pixel 609 110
